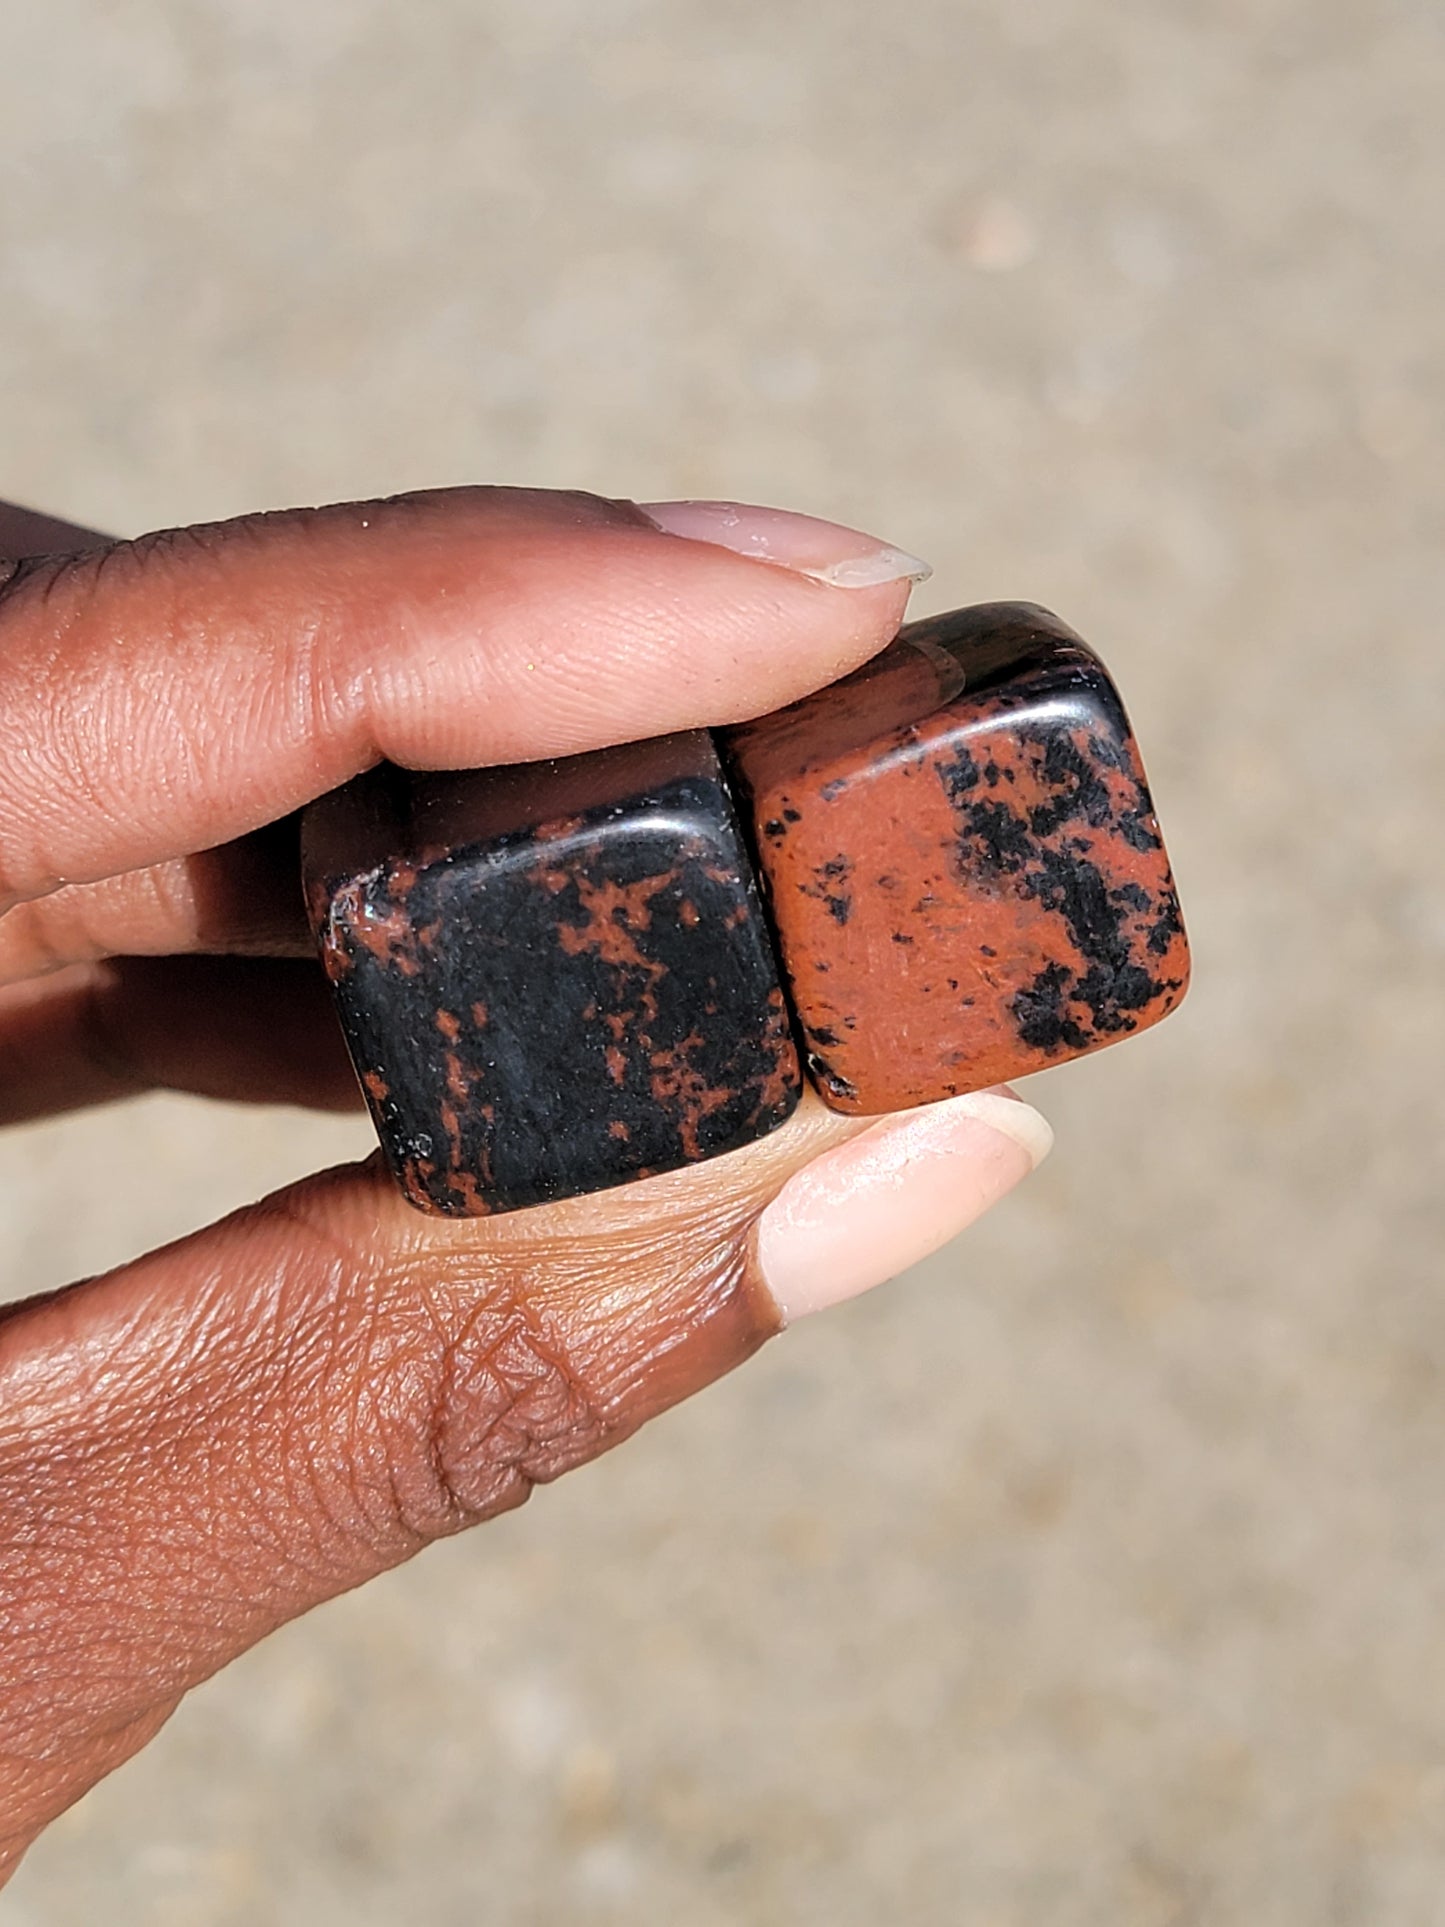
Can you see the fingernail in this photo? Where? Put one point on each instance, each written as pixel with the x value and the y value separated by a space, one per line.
pixel 825 551
pixel 865 1211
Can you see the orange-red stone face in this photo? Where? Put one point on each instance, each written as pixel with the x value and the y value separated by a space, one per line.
pixel 966 877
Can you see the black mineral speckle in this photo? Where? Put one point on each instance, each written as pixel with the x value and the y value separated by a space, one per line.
pixel 1041 1012
pixel 533 1018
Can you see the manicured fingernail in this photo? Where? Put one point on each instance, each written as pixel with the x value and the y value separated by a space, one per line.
pixel 865 1211
pixel 843 558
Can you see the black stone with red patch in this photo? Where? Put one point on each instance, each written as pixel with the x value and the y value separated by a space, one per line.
pixel 552 978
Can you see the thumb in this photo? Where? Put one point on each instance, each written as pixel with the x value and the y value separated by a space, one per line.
pixel 210 1441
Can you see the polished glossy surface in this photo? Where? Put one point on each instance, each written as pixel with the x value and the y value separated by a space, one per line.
pixel 552 978
pixel 965 873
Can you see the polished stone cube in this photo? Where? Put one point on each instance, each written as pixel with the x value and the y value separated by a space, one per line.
pixel 965 874
pixel 552 978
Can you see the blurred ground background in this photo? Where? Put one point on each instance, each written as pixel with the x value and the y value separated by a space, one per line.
pixel 1095 1573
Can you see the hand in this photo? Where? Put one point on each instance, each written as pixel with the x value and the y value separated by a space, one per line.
pixel 209 1441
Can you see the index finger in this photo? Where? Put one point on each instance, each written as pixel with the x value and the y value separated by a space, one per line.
pixel 162 696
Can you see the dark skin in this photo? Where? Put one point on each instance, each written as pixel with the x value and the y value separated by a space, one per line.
pixel 219 1436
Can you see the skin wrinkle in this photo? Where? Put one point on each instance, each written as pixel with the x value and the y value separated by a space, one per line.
pixel 412 593
pixel 192 1559
pixel 293 1537
pixel 69 1676
pixel 384 1388
pixel 481 1421
pixel 37 580
pixel 375 1472
pixel 37 1788
pixel 470 1403
pixel 497 1402
pixel 207 1442
pixel 728 1269
pixel 146 559
pixel 113 1614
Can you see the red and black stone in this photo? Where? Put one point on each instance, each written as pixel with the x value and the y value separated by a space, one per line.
pixel 552 978
pixel 965 874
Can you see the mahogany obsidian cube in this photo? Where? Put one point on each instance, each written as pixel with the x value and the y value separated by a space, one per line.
pixel 965 875
pixel 554 977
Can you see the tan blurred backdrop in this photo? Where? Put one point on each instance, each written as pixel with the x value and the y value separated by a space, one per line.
pixel 1095 1573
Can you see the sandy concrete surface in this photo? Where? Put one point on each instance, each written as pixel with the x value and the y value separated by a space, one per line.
pixel 1093 1575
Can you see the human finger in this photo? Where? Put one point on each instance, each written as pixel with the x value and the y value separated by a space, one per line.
pixel 243 899
pixel 165 696
pixel 248 1030
pixel 210 1441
